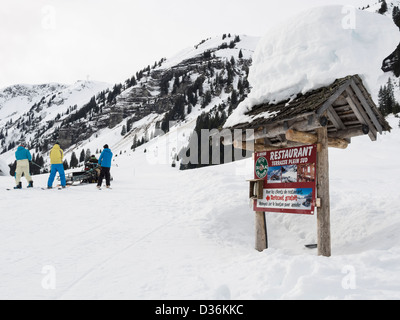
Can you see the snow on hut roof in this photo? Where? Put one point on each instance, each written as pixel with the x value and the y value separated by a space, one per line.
pixel 346 103
pixel 307 53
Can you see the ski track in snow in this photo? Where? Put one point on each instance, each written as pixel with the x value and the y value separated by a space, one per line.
pixel 110 258
pixel 165 234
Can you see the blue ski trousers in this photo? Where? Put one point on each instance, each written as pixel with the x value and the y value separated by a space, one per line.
pixel 54 169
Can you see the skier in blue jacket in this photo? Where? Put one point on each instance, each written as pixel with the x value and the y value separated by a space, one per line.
pixel 105 163
pixel 23 156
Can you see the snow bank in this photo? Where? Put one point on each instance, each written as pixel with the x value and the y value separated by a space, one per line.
pixel 316 48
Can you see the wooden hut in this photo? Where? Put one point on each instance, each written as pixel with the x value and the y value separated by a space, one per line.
pixel 329 117
pixel 345 107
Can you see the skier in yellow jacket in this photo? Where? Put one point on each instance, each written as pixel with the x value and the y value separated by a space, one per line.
pixel 56 159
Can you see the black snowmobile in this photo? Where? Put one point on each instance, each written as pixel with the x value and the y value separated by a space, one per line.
pixel 89 175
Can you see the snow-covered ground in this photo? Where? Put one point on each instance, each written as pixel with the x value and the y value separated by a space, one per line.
pixel 165 234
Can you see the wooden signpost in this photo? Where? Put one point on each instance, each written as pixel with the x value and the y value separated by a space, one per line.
pixel 324 215
pixel 328 117
pixel 291 192
pixel 285 182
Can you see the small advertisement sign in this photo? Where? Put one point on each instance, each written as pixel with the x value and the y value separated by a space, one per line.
pixel 289 180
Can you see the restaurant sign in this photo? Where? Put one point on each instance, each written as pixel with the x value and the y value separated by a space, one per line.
pixel 289 180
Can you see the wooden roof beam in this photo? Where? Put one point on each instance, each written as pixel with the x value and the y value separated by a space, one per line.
pixel 334 97
pixel 295 138
pixel 367 107
pixel 350 132
pixel 265 146
pixel 310 138
pixel 311 123
pixel 360 113
pixel 335 119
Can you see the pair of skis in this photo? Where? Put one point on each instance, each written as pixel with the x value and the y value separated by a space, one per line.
pixel 58 188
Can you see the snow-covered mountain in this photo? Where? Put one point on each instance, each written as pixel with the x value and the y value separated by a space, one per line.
pixel 15 100
pixel 32 113
pixel 210 76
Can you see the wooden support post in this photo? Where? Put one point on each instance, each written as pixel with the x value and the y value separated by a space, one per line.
pixel 324 226
pixel 261 232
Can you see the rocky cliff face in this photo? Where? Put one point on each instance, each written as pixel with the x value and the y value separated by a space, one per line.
pixel 392 63
pixel 207 75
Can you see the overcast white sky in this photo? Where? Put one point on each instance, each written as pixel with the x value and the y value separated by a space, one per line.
pixel 63 41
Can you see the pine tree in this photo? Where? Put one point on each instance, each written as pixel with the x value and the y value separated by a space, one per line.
pixel 381 101
pixel 134 144
pixel 74 160
pixel 396 109
pixel 390 89
pixel 129 123
pixel 240 87
pixel 198 85
pixel 82 156
pixel 234 98
pixel 386 99
pixel 207 54
pixel 123 131
pixel 179 108
pixel 230 73
pixel 240 54
pixel 207 99
pixel 176 84
pixel 88 155
pixel 65 164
